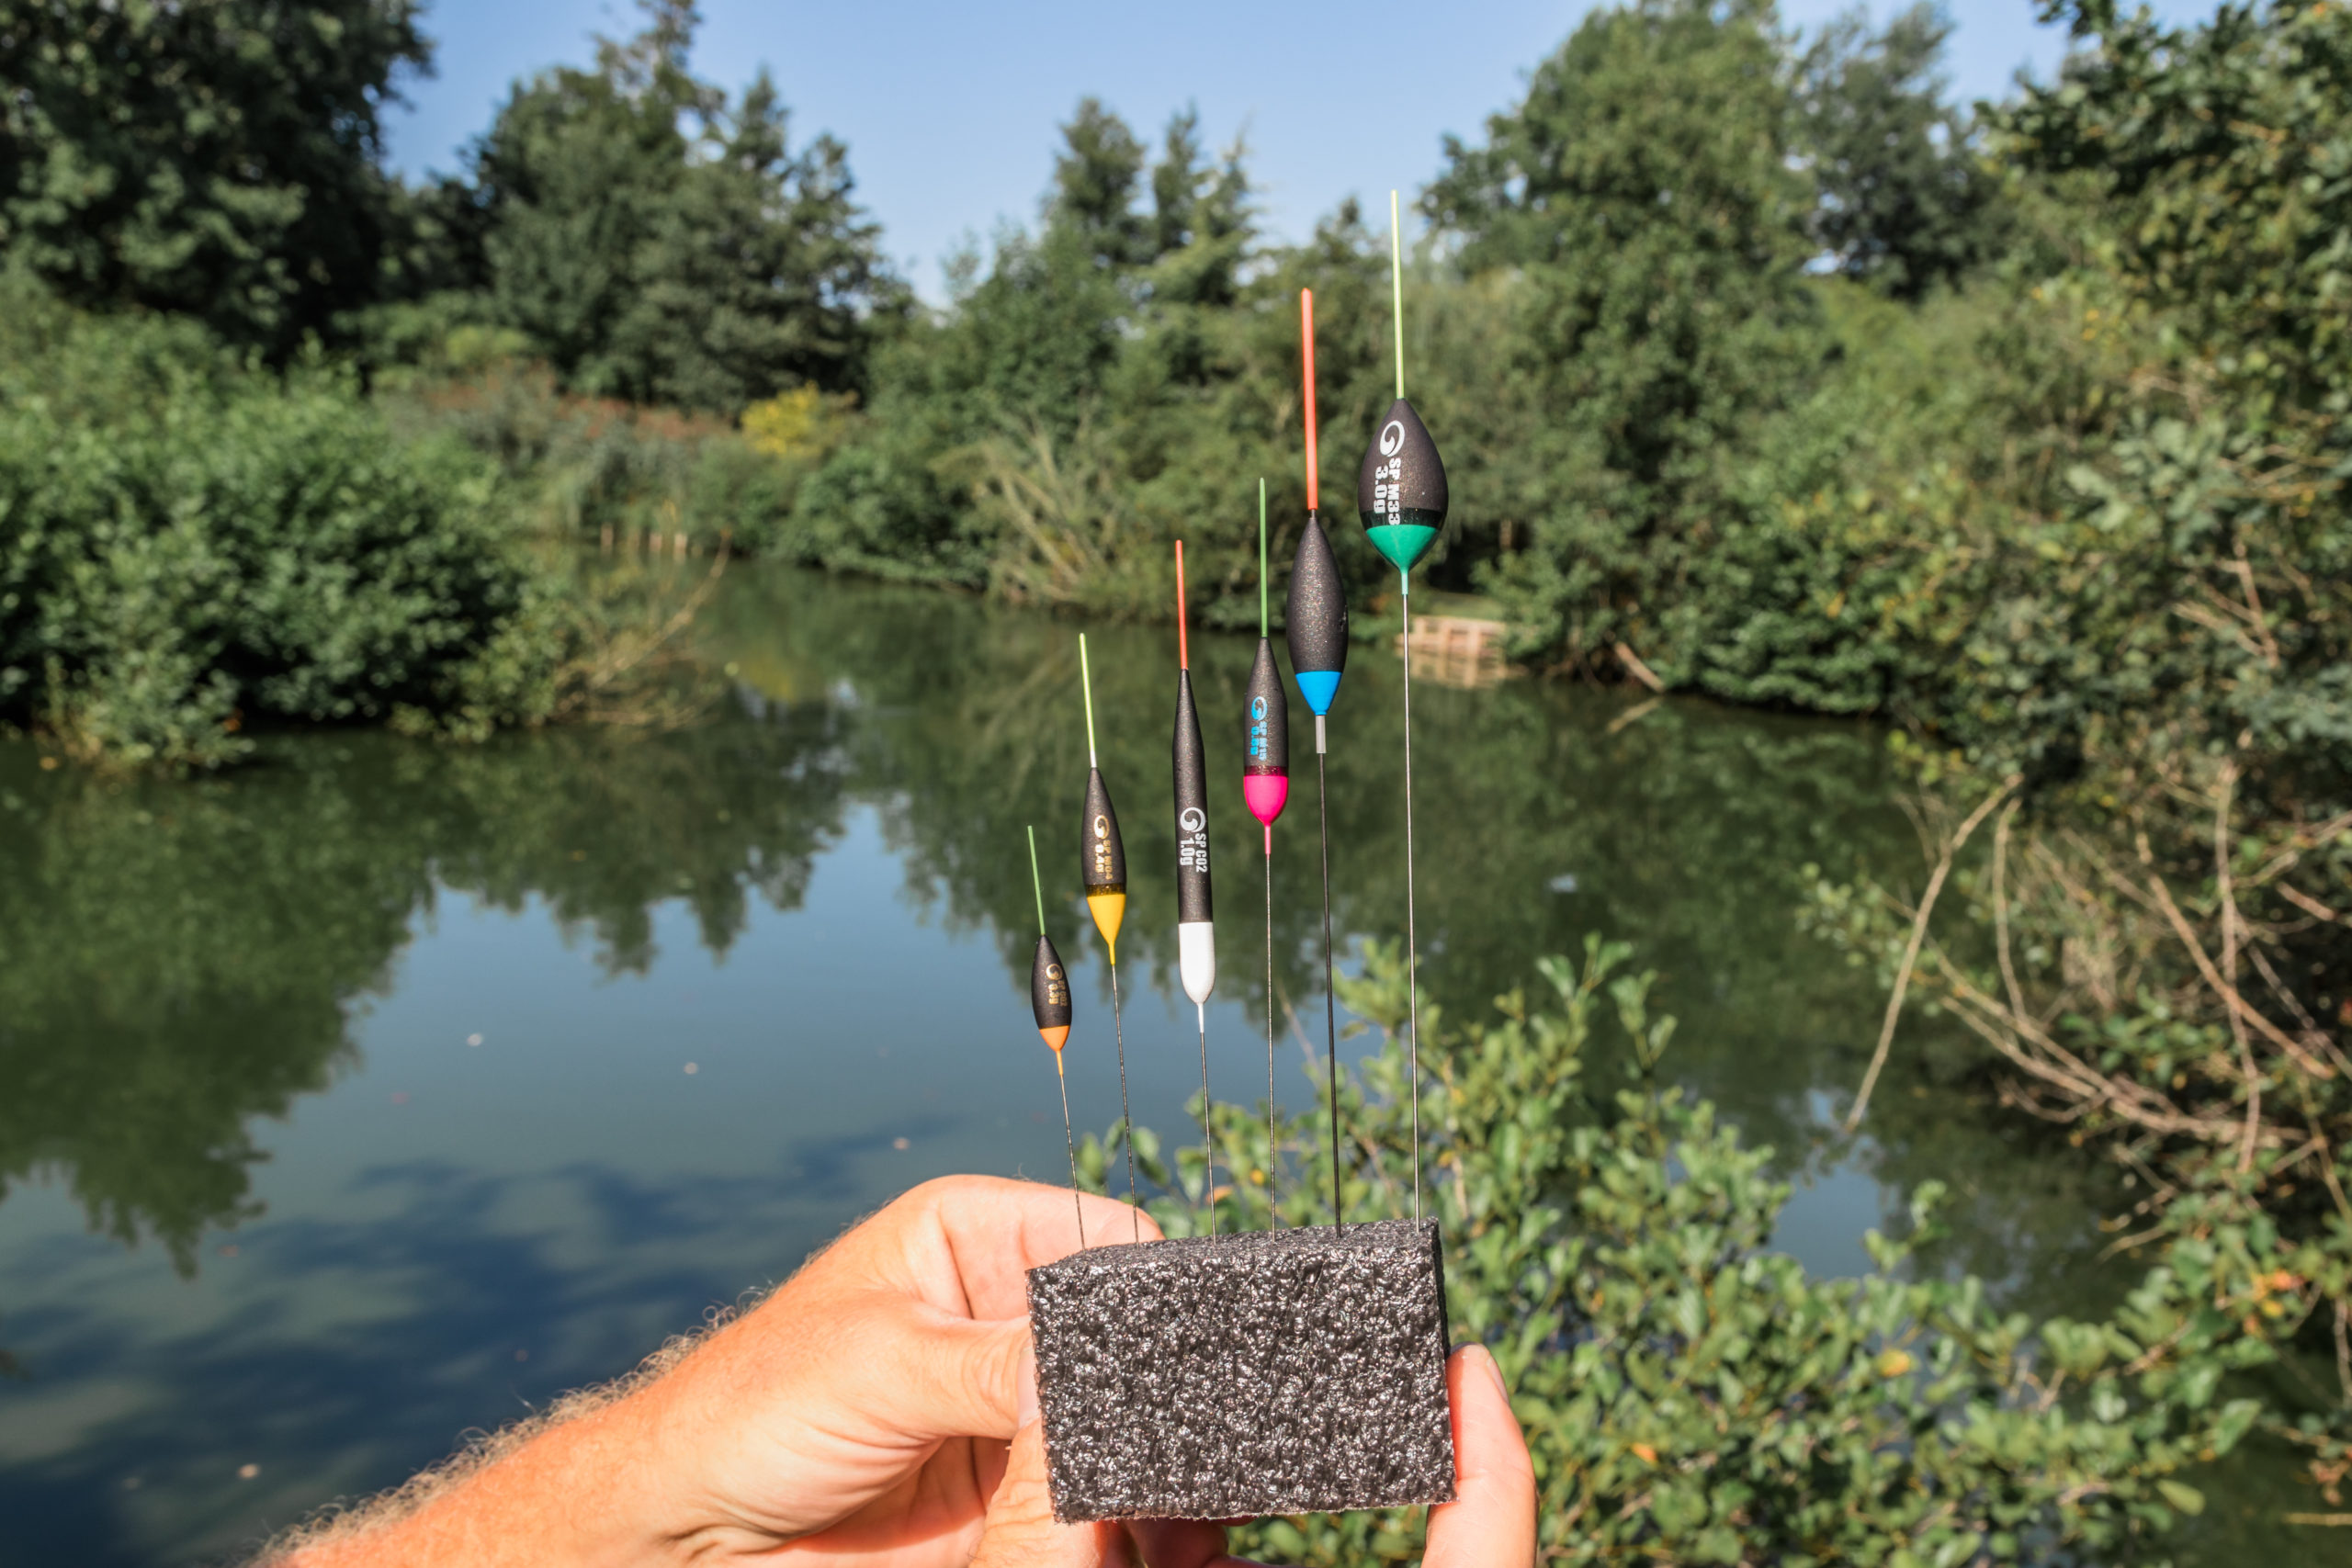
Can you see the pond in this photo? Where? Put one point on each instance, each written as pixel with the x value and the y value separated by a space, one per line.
pixel 384 1090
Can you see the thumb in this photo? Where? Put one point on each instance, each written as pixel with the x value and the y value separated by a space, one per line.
pixel 948 1376
pixel 1491 1521
pixel 1020 1531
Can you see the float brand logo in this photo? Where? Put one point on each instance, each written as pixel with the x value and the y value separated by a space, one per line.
pixel 1192 843
pixel 1388 490
pixel 1104 870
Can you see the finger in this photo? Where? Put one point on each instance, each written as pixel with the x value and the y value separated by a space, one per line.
pixel 1491 1521
pixel 965 1243
pixel 1182 1543
pixel 994 1232
pixel 1020 1531
pixel 943 1376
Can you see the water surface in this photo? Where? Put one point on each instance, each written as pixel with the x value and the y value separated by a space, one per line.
pixel 383 1090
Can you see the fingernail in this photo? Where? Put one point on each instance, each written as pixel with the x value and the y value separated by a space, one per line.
pixel 1494 1370
pixel 1025 1398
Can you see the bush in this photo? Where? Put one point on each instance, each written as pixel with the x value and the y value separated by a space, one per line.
pixel 1689 1396
pixel 188 546
pixel 595 469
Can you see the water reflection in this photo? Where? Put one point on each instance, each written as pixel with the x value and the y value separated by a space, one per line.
pixel 178 959
pixel 426 1082
pixel 1543 816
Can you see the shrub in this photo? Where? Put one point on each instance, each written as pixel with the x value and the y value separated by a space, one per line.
pixel 1689 1396
pixel 595 469
pixel 187 547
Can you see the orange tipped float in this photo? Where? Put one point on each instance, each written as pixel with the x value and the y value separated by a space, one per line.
pixel 1050 1000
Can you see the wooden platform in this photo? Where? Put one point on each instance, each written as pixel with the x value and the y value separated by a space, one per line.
pixel 1457 651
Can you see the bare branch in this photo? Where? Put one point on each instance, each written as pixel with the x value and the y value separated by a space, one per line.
pixel 1919 935
pixel 2237 1004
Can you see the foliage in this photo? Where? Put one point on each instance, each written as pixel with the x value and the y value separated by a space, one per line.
pixel 189 547
pixel 1618 308
pixel 1082 403
pixel 603 471
pixel 2150 630
pixel 219 160
pixel 2158 959
pixel 1644 186
pixel 2088 505
pixel 1688 1395
pixel 2218 153
pixel 2164 1012
pixel 1763 371
pixel 2147 620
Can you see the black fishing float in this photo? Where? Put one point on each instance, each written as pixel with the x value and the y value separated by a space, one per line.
pixel 1050 1000
pixel 1316 615
pixel 1401 496
pixel 1196 933
pixel 1102 873
pixel 1265 786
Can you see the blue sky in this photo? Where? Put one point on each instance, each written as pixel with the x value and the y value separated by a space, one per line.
pixel 950 111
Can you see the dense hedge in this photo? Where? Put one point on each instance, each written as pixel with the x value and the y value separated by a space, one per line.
pixel 187 547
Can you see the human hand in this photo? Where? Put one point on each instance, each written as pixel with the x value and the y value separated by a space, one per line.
pixel 859 1415
pixel 1490 1524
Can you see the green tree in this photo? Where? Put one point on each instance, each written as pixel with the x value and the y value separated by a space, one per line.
pixel 188 546
pixel 1643 188
pixel 659 243
pixel 1095 179
pixel 1047 435
pixel 220 160
pixel 1688 1394
pixel 1905 200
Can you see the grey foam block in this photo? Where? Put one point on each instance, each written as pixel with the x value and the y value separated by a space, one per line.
pixel 1289 1371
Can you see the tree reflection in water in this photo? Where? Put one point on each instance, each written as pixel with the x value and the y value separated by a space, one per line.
pixel 179 958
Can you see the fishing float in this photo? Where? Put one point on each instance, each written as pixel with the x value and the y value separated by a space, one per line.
pixel 1102 874
pixel 1317 629
pixel 1401 497
pixel 1265 787
pixel 1049 1001
pixel 1153 1361
pixel 1196 933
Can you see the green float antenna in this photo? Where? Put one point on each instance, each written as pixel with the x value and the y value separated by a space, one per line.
pixel 1401 496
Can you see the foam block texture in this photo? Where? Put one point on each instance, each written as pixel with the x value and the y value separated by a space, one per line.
pixel 1288 1371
